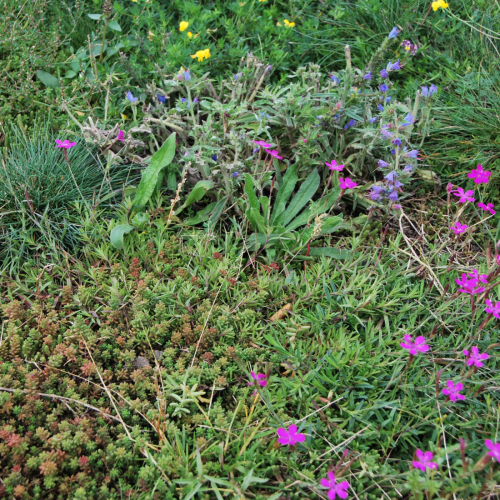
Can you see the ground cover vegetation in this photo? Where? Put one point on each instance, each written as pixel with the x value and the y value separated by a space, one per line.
pixel 249 250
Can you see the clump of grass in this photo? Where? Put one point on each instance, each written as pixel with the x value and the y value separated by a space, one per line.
pixel 41 194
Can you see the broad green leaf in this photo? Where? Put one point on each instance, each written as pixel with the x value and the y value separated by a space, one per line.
pixel 140 220
pixel 159 161
pixel 95 17
pixel 196 194
pixel 335 253
pixel 96 49
pixel 330 224
pixel 285 191
pixel 316 208
pixel 70 74
pixel 250 192
pixel 114 26
pixel 117 234
pixel 221 204
pixel 201 216
pixel 48 80
pixel 264 201
pixel 255 218
pixel 304 194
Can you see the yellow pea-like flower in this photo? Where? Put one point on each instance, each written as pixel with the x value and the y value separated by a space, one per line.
pixel 183 25
pixel 439 4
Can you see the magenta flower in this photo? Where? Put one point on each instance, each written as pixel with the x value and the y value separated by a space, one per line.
pixel 487 208
pixel 464 195
pixel 65 144
pixel 479 175
pixel 121 136
pixel 333 166
pixel 424 461
pixel 468 286
pixel 483 278
pixel 459 228
pixel 474 357
pixel 263 144
pixel 291 436
pixel 274 154
pixel 493 308
pixel 335 489
pixel 258 378
pixel 346 183
pixel 453 390
pixel 414 347
pixel 494 449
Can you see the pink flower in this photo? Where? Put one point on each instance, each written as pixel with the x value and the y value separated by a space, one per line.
pixel 468 286
pixel 449 188
pixel 65 144
pixel 414 347
pixel 493 308
pixel 487 208
pixel 121 136
pixel 334 488
pixel 479 175
pixel 291 436
pixel 453 390
pixel 424 461
pixel 333 166
pixel 260 379
pixel 263 144
pixel 459 228
pixel 464 195
pixel 483 278
pixel 346 183
pixel 274 154
pixel 474 357
pixel 494 449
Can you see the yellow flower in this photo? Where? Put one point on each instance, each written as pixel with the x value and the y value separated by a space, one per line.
pixel 183 25
pixel 439 3
pixel 262 0
pixel 190 35
pixel 151 35
pixel 288 24
pixel 124 117
pixel 202 54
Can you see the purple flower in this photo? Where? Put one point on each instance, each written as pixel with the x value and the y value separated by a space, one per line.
pixel 121 136
pixel 483 278
pixel 383 74
pixel 464 195
pixel 258 379
pixel 368 76
pixel 334 79
pixel 468 285
pixel 453 390
pixel 412 154
pixel 394 33
pixel 162 98
pixel 488 208
pixel 380 107
pixel 383 88
pixel 350 124
pixel 493 308
pixel 409 47
pixel 393 151
pixel 398 184
pixel 235 174
pixel 407 120
pixel 291 436
pixel 130 97
pixel 214 157
pixel 391 176
pixel 333 166
pixel 424 461
pixel 335 489
pixel 238 76
pixel 382 164
pixel 433 89
pixel 479 175
pixel 386 133
pixel 376 192
pixel 394 66
pixel 187 75
pixel 393 195
pixel 459 228
pixel 273 154
pixel 397 142
pixel 263 144
pixel 408 168
pixel 475 357
pixel 388 99
pixel 414 347
pixel 65 144
pixel 425 91
pixel 494 449
pixel 373 120
pixel 346 183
